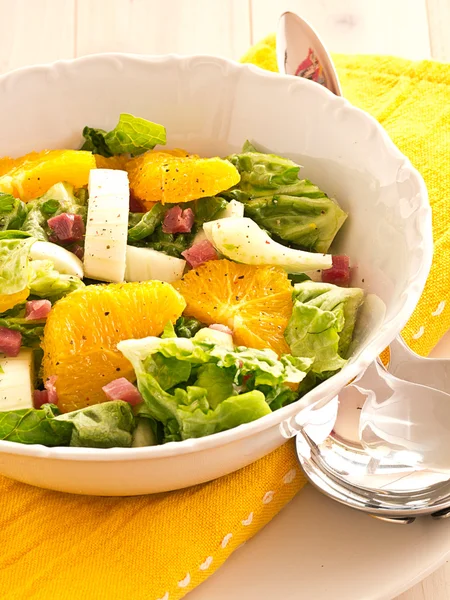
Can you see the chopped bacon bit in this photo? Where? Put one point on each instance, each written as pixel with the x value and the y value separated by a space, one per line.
pixel 339 273
pixel 37 309
pixel 78 251
pixel 67 228
pixel 220 327
pixel 177 220
pixel 135 205
pixel 10 341
pixel 40 397
pixel 200 253
pixel 49 385
pixel 122 389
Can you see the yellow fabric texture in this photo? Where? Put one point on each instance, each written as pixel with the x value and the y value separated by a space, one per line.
pixel 61 547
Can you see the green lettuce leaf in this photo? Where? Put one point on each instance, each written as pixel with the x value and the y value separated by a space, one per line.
pixel 143 225
pixel 17 272
pixel 95 141
pixel 248 147
pixel 60 198
pixel 169 243
pixel 187 327
pixel 132 135
pixel 217 382
pixel 263 172
pixel 32 331
pixel 322 323
pixel 145 229
pixel 106 425
pixel 145 433
pixel 168 371
pixel 292 210
pixel 12 212
pixel 14 250
pixel 46 282
pixel 186 413
pixel 35 426
pixel 279 396
pixel 309 223
pixel 206 209
pixel 196 387
pixel 344 302
pixel 298 277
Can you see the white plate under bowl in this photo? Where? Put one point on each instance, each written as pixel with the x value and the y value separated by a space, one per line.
pixel 317 549
pixel 210 106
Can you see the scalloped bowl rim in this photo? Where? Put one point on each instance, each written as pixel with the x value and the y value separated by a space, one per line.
pixel 338 381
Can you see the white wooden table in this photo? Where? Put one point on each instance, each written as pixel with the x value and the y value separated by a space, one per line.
pixel 36 31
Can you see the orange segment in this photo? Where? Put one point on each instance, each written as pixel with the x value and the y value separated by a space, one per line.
pixel 35 173
pixel 255 302
pixel 8 301
pixel 112 162
pixel 172 178
pixel 83 329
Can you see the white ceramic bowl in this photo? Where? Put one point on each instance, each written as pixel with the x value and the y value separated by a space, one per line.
pixel 211 106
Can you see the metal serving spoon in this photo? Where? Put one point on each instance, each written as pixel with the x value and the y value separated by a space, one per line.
pixel 395 461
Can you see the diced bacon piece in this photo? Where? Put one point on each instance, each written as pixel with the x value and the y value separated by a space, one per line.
pixel 200 253
pixel 122 389
pixel 10 341
pixel 67 228
pixel 339 273
pixel 37 309
pixel 178 221
pixel 40 397
pixel 78 251
pixel 135 205
pixel 49 384
pixel 220 327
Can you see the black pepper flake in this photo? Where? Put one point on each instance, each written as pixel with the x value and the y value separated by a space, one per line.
pixel 106 313
pixel 83 337
pixel 118 369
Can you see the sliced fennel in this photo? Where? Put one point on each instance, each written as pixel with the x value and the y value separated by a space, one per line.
pixel 144 264
pixel 242 240
pixel 64 261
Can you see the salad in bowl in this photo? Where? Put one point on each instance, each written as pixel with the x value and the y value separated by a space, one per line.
pixel 150 295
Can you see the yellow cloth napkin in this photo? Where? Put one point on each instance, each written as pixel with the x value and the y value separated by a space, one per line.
pixel 61 547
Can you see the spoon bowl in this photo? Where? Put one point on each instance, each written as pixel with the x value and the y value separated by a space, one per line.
pixel 301 52
pixel 406 364
pixel 403 422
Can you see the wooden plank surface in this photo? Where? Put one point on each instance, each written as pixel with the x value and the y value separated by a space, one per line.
pixel 159 27
pixel 36 31
pixel 397 27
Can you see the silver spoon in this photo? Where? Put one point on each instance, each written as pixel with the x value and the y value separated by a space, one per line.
pixel 301 52
pixel 402 426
